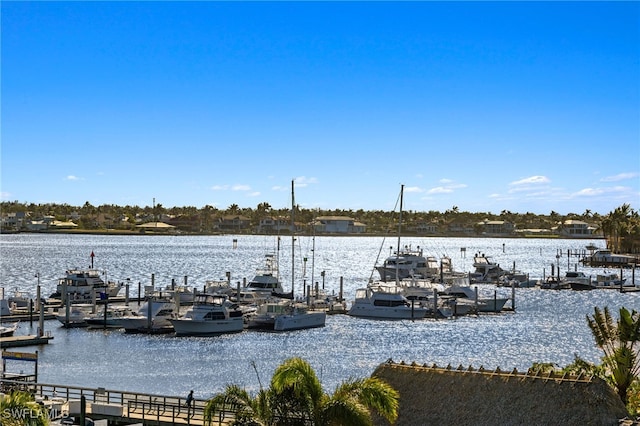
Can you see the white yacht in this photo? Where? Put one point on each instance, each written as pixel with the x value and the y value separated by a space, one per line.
pixel 76 315
pixel 460 289
pixel 266 281
pixel 209 315
pixel 385 301
pixel 81 285
pixel 486 270
pixel 297 317
pixel 408 263
pixel 285 315
pixel 153 316
pixel 109 319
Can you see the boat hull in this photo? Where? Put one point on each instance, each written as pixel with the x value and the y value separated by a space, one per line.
pixel 299 322
pixel 389 313
pixel 190 327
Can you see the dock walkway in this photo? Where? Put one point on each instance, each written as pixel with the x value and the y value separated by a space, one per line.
pixel 20 341
pixel 118 407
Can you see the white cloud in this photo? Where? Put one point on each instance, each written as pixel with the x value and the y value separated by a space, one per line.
pixel 302 181
pixel 440 190
pixel 448 186
pixel 619 177
pixel 72 177
pixel 253 194
pixel 413 189
pixel 593 192
pixel 220 187
pixel 5 195
pixel 239 187
pixel 533 180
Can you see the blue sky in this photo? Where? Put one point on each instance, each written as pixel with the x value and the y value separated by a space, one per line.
pixel 519 106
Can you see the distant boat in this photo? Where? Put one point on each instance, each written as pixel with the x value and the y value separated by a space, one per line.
pixel 113 314
pixel 153 316
pixel 381 301
pixel 77 315
pixel 285 315
pixel 486 270
pixel 208 316
pixel 408 263
pixel 578 281
pixel 82 285
pixel 7 331
pixel 604 257
pixel 266 281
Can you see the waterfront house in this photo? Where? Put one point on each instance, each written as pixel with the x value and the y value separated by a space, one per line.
pixel 337 225
pixel 572 228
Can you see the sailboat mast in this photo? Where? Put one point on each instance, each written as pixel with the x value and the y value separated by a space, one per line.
pixel 400 219
pixel 293 237
pixel 399 234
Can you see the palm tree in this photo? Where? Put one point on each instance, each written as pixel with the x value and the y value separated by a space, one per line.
pixel 19 408
pixel 295 397
pixel 620 343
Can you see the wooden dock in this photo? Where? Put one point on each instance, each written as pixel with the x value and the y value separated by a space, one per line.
pixel 118 407
pixel 20 341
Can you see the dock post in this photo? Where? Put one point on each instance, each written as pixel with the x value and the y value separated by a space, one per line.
pixel 435 303
pixel 38 297
pixel 139 292
pixel 126 293
pixel 83 409
pixel 31 312
pixel 41 322
pixel 475 297
pixel 513 295
pixel 67 307
pixel 341 282
pixel 149 313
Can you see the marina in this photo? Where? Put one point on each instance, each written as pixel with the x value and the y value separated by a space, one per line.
pixel 536 331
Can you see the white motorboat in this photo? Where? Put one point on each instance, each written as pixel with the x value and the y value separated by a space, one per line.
pixel 408 263
pixel 297 317
pixel 266 282
pixel 285 315
pixel 385 301
pixel 209 315
pixel 153 316
pixel 264 317
pixel 577 280
pixel 82 285
pixel 110 319
pixel 483 303
pixel 609 280
pixel 486 270
pixel 76 317
pixel 7 331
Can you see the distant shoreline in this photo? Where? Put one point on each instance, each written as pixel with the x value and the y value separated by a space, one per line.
pixel 191 234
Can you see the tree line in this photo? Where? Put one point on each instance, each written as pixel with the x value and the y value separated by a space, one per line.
pixel 620 227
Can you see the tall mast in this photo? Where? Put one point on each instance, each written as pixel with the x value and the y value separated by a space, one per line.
pixel 400 219
pixel 293 237
pixel 399 233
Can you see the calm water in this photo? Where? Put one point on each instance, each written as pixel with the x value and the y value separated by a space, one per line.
pixel 547 326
